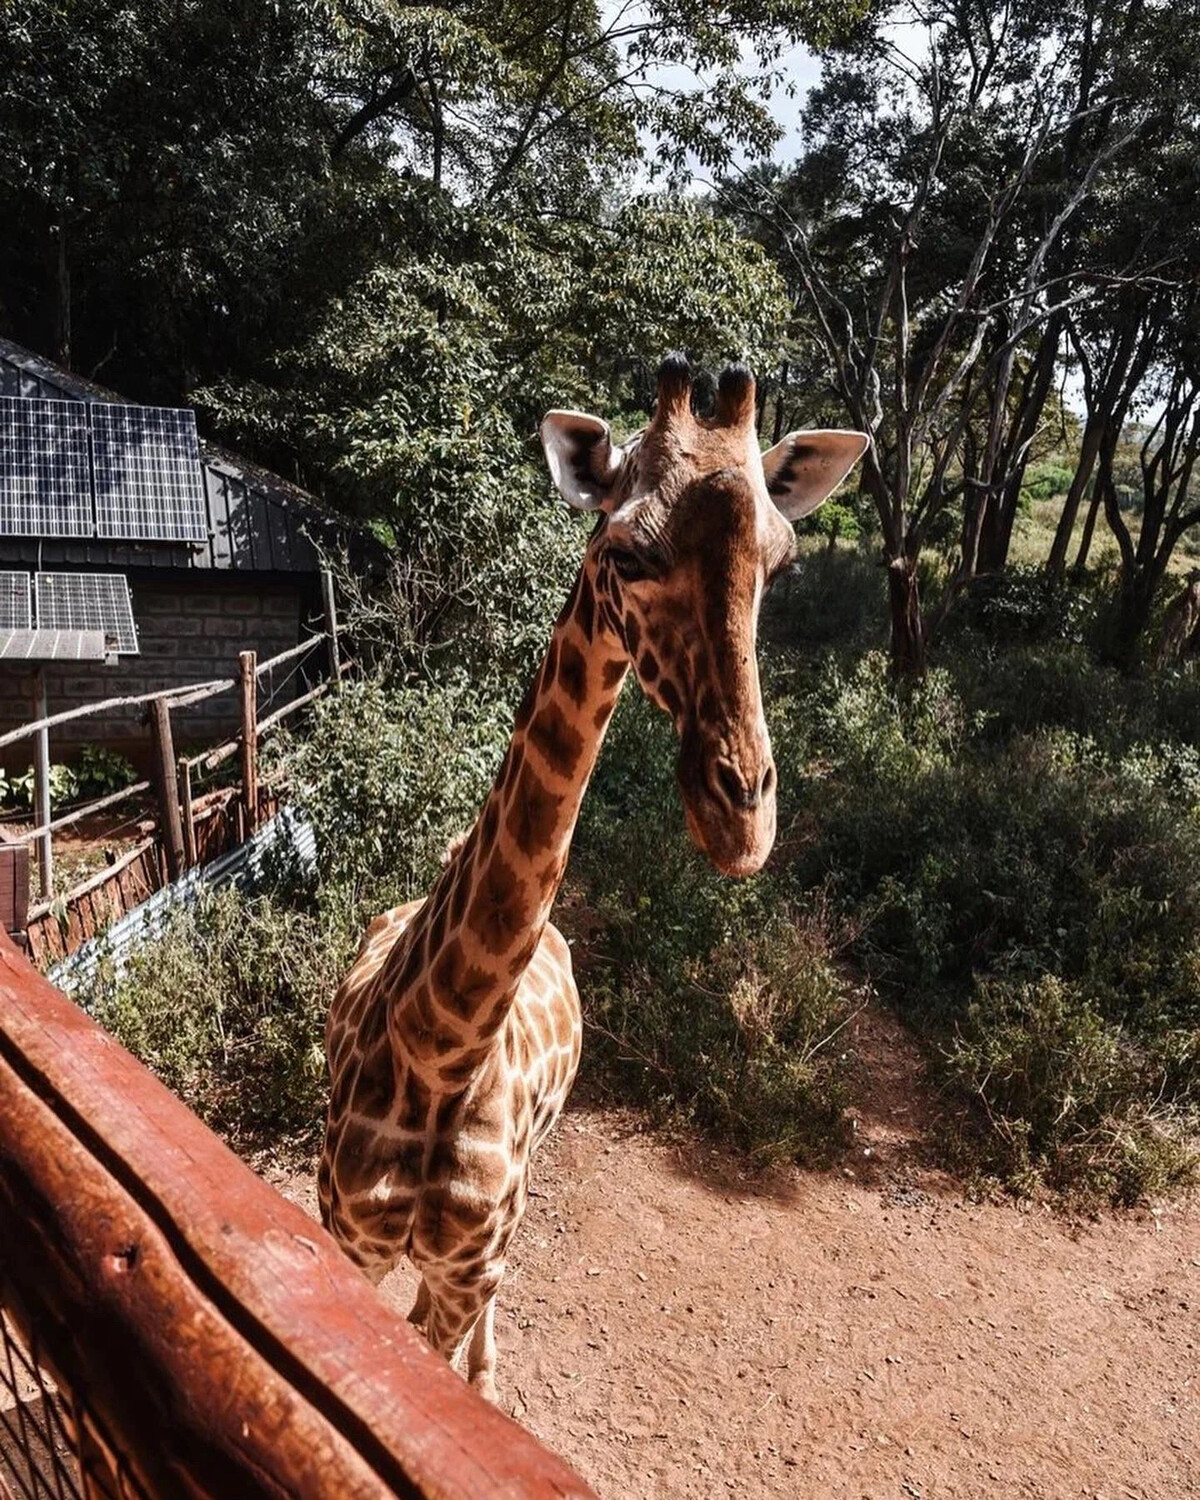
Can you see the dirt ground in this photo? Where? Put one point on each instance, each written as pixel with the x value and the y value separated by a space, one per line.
pixel 677 1326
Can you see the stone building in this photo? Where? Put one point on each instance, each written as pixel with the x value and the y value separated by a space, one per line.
pixel 254 583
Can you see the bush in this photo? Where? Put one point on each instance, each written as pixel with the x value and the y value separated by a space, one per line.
pixel 1026 900
pixel 388 775
pixel 1045 481
pixel 1069 1103
pixel 99 770
pixel 1021 603
pixel 716 1001
pixel 830 595
pixel 228 1008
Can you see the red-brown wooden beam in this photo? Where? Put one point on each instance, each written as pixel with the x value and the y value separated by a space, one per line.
pixel 218 1337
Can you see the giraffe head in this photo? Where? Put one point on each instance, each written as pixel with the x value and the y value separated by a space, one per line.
pixel 695 523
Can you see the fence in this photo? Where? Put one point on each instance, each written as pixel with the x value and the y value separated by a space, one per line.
pixel 170 1326
pixel 187 829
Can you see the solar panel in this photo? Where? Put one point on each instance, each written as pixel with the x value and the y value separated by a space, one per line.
pixel 87 601
pixel 146 463
pixel 52 645
pixel 16 603
pixel 45 479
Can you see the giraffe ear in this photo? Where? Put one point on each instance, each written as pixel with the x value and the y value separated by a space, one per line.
pixel 805 468
pixel 583 462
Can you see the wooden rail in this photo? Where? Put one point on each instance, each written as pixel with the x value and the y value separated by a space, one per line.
pixel 173 777
pixel 207 1338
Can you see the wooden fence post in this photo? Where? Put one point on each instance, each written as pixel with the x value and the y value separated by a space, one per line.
pixel 329 606
pixel 248 661
pixel 41 784
pixel 189 816
pixel 170 823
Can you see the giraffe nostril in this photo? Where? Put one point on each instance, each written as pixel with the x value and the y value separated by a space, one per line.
pixel 736 791
pixel 768 781
pixel 730 784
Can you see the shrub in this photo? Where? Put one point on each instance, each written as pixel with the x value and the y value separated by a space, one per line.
pixel 388 775
pixel 228 1008
pixel 830 595
pixel 992 875
pixel 1021 603
pixel 1069 1103
pixel 99 770
pixel 716 1001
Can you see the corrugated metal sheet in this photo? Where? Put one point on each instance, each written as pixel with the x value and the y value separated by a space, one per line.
pixel 288 836
pixel 259 523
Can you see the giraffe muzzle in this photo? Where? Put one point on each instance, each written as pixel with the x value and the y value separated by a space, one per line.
pixel 729 807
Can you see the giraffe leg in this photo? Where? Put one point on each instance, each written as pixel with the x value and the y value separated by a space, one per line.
pixel 481 1357
pixel 454 1310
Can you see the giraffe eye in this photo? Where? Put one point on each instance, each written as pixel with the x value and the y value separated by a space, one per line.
pixel 628 565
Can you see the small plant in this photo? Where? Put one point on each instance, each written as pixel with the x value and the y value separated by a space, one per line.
pixel 19 791
pixel 1069 1104
pixel 99 771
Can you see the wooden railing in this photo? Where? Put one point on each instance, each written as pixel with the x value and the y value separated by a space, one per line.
pixel 187 827
pixel 170 1326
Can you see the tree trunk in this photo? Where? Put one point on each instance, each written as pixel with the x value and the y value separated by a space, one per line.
pixel 1057 562
pixel 1001 514
pixel 908 632
pixel 1135 600
pixel 779 395
pixel 1089 531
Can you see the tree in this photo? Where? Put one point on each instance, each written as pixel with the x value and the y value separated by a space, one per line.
pixel 1170 506
pixel 161 173
pixel 930 236
pixel 414 400
pixel 180 185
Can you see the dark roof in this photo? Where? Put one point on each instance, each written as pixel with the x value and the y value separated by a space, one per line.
pixel 260 523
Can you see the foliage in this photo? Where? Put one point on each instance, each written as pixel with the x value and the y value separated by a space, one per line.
pixel 99 770
pixel 970 196
pixel 388 776
pixel 1028 898
pixel 96 770
pixel 1068 1102
pixel 20 790
pixel 717 1002
pixel 228 1007
pixel 1023 603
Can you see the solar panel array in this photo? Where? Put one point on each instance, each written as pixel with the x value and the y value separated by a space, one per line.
pixel 45 471
pixel 76 468
pixel 147 471
pixel 87 601
pixel 16 601
pixel 52 645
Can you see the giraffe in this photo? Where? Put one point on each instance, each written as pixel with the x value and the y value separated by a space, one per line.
pixel 454 1039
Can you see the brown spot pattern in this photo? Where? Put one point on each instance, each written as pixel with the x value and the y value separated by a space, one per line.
pixel 499 908
pixel 459 986
pixel 533 817
pixel 559 742
pixel 572 673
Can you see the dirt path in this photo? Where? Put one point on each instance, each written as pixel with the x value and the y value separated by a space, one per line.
pixel 677 1327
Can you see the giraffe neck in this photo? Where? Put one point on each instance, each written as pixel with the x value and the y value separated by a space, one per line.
pixel 454 973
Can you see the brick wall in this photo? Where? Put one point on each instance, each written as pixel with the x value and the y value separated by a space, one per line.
pixel 187 633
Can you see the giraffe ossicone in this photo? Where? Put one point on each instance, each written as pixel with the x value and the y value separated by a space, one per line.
pixel 454 1039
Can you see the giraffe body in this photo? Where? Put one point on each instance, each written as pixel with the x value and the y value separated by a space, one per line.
pixel 454 1039
pixel 455 1216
